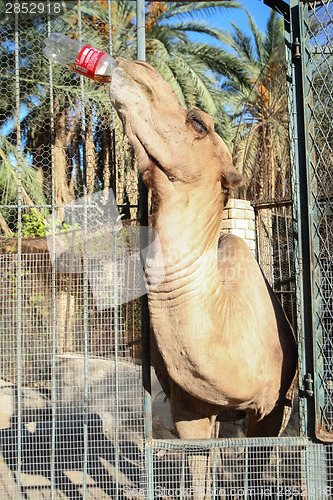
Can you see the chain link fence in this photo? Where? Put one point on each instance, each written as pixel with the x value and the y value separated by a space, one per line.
pixel 70 377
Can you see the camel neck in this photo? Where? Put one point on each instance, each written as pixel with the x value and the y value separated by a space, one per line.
pixel 188 231
pixel 188 226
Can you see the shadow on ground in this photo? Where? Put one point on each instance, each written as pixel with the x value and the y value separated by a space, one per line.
pixel 67 453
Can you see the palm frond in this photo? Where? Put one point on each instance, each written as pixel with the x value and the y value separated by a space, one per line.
pixel 193 27
pixel 242 44
pixel 258 39
pixel 274 33
pixel 31 190
pixel 159 57
pixel 219 61
pixel 191 8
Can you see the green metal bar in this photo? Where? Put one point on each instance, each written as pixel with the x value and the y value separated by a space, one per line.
pixel 312 165
pixel 246 473
pixel 213 454
pixel 112 160
pixel 141 30
pixel 144 241
pixel 117 315
pixel 110 30
pixel 182 475
pixel 301 221
pixel 116 347
pixel 295 203
pixel 85 350
pixel 278 474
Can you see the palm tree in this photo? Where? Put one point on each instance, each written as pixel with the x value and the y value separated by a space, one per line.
pixel 261 142
pixel 10 180
pixel 192 69
pixel 41 141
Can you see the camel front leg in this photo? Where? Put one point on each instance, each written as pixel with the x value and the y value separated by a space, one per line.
pixel 193 419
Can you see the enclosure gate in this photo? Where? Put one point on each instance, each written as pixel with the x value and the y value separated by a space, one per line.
pixel 74 419
pixel 316 58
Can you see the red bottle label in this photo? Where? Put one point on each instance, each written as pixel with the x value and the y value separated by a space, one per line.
pixel 87 60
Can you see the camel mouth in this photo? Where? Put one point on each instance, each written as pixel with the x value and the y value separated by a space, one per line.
pixel 127 78
pixel 134 70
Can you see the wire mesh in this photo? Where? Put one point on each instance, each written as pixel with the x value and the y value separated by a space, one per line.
pixel 71 418
pixel 275 244
pixel 109 405
pixel 242 469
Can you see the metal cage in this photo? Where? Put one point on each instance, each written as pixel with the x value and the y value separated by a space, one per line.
pixel 77 398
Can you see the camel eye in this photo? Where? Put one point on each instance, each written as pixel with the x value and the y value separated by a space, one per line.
pixel 197 123
pixel 199 126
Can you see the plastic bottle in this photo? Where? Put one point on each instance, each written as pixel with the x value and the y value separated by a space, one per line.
pixel 79 57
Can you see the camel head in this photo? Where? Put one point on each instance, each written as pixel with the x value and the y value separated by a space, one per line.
pixel 174 146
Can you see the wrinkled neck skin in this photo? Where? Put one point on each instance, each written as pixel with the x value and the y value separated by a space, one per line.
pixel 188 226
pixel 185 306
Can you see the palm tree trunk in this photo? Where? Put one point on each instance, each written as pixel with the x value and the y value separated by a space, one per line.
pixel 64 183
pixel 4 226
pixel 90 157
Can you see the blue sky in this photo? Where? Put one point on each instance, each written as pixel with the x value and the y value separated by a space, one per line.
pixel 258 10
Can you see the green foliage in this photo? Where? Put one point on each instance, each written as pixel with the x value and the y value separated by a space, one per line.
pixel 32 225
pixel 215 76
pixel 194 70
pixel 261 144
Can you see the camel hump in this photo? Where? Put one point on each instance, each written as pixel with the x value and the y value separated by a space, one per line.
pixel 232 243
pixel 237 264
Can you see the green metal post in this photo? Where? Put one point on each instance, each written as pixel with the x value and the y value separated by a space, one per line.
pixel 53 290
pixel 314 462
pixel 301 220
pixel 318 380
pixel 85 273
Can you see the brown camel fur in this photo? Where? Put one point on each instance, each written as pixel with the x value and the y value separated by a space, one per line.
pixel 220 338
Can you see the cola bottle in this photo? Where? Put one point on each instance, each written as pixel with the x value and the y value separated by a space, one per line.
pixel 79 57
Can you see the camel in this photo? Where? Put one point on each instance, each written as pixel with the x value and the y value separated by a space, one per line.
pixel 220 339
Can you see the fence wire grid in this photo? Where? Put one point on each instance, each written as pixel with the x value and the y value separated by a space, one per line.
pixel 72 419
